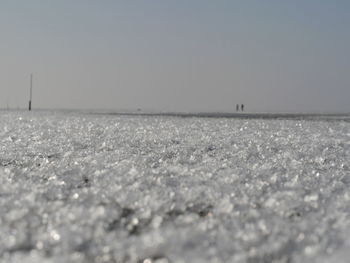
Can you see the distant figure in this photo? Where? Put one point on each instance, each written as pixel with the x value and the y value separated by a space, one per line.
pixel 237 107
pixel 242 107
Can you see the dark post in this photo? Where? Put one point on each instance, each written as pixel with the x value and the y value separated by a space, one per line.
pixel 30 95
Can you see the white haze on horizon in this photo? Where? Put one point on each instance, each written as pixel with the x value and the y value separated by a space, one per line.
pixel 176 55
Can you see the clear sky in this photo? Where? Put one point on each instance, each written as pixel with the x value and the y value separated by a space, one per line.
pixel 176 55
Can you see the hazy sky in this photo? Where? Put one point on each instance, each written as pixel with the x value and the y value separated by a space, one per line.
pixel 182 55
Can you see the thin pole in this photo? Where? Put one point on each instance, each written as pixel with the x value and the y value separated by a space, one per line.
pixel 31 91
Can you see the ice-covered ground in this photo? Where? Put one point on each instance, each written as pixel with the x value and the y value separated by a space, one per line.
pixel 99 188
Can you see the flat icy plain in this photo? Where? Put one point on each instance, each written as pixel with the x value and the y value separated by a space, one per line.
pixel 78 187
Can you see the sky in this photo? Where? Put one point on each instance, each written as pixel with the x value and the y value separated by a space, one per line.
pixel 176 55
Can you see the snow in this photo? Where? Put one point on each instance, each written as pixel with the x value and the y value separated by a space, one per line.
pixel 78 187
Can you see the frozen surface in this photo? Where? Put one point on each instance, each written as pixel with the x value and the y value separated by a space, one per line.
pixel 96 188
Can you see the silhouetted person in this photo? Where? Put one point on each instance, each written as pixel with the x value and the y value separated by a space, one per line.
pixel 242 107
pixel 237 107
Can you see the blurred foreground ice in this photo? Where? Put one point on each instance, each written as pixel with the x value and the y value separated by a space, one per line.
pixel 87 188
